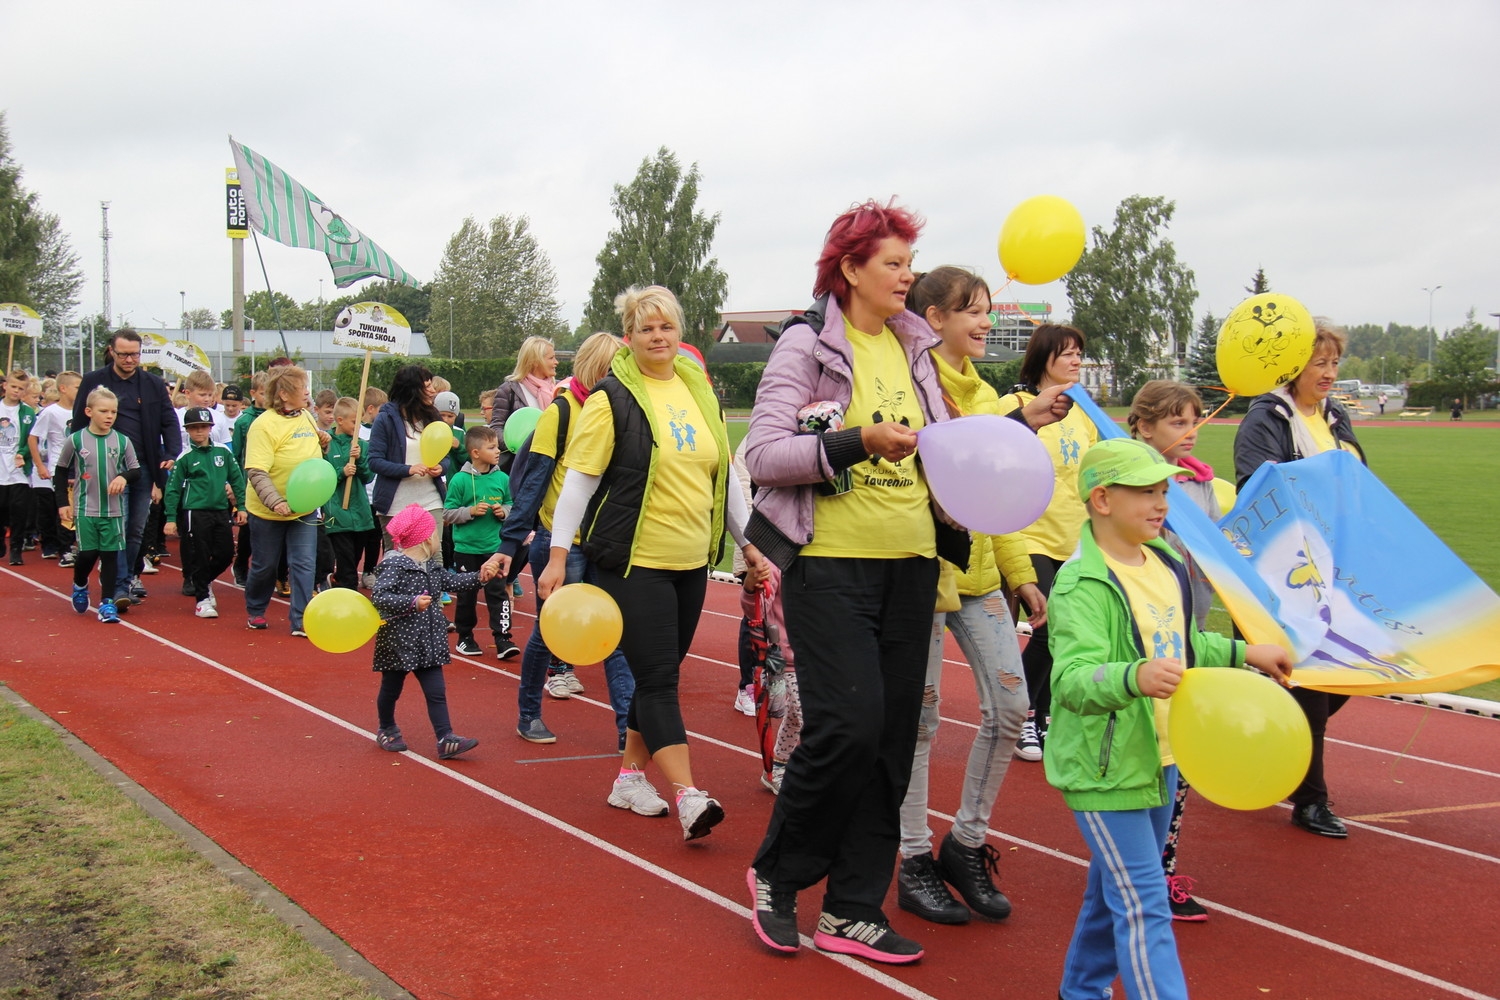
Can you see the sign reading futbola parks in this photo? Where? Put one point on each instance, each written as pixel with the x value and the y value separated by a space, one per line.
pixel 372 326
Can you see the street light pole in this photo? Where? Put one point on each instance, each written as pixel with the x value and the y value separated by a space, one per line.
pixel 1431 330
pixel 1497 346
pixel 450 328
pixel 1382 370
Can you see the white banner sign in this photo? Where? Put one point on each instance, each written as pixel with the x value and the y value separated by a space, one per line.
pixel 372 326
pixel 17 320
pixel 182 358
pixel 151 348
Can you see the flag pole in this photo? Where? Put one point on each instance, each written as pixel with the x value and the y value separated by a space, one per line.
pixel 10 355
pixel 275 309
pixel 364 383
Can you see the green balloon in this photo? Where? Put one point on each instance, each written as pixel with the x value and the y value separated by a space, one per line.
pixel 310 485
pixel 519 425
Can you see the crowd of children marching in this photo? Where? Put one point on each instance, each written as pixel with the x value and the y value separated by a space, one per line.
pixel 62 496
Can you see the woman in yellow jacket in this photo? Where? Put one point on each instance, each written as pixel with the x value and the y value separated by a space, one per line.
pixel 1053 356
pixel 956 304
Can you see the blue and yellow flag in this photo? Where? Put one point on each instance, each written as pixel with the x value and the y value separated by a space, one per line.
pixel 1321 558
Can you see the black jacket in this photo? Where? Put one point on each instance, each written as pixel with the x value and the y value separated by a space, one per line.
pixel 161 434
pixel 1265 435
pixel 613 512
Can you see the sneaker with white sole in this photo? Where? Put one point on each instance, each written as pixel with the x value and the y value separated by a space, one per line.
pixel 1029 746
pixel 206 609
pixel 698 812
pixel 506 649
pixel 557 687
pixel 575 686
pixel 632 791
pixel 771 780
pixel 452 745
pixel 744 700
pixel 469 647
pixel 67 560
pixel 80 598
pixel 107 613
pixel 148 568
pixel 865 939
pixel 535 731
pixel 773 914
pixel 367 580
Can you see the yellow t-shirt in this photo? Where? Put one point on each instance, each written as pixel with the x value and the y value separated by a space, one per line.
pixel 888 514
pixel 1156 605
pixel 1322 434
pixel 278 444
pixel 680 504
pixel 544 442
pixel 1055 533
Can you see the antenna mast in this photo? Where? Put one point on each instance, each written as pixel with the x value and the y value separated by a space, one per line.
pixel 104 234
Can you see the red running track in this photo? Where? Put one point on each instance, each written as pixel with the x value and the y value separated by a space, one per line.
pixel 503 873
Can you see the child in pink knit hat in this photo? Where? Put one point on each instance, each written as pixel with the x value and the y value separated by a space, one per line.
pixel 414 636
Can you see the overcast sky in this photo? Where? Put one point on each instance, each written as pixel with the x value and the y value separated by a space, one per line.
pixel 1349 148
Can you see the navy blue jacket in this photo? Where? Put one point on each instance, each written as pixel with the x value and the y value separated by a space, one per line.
pixel 388 457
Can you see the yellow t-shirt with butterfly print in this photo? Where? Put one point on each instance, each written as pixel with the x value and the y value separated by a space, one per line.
pixel 887 515
pixel 1156 605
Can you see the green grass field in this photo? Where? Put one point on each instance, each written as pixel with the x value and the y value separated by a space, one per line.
pixel 1446 474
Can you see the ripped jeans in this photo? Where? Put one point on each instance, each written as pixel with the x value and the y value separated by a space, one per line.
pixel 985 633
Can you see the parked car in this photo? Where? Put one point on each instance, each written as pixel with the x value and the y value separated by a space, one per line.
pixel 1390 390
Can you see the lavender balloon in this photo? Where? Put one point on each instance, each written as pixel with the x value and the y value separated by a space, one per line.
pixel 989 473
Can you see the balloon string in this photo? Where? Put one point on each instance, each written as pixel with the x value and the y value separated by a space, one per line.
pixel 1205 420
pixel 1426 711
pixel 1010 280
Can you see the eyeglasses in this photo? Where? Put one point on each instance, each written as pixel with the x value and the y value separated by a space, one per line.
pixel 123 356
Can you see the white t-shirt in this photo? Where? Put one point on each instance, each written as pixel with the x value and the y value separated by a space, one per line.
pixel 50 429
pixel 419 490
pixel 10 439
pixel 222 433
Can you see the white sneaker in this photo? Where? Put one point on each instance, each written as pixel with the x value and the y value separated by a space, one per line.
pixel 558 687
pixel 1029 746
pixel 148 568
pixel 772 782
pixel 368 580
pixel 744 700
pixel 632 791
pixel 206 609
pixel 575 686
pixel 698 813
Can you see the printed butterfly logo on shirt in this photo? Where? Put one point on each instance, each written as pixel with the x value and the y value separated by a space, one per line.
pixel 1167 639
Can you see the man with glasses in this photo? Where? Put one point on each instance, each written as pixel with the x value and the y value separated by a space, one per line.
pixel 145 417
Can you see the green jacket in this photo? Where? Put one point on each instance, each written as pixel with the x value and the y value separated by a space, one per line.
pixel 198 479
pixel 358 517
pixel 1101 749
pixel 242 431
pixel 475 535
pixel 25 417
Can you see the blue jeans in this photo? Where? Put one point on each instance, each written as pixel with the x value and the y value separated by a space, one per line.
pixel 267 537
pixel 984 632
pixel 1124 927
pixel 137 509
pixel 536 656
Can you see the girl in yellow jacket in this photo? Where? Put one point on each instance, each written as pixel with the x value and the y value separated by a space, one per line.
pixel 956 304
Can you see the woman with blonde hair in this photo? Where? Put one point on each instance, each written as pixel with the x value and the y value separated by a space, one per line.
pixel 649 479
pixel 533 384
pixel 535 487
pixel 280 439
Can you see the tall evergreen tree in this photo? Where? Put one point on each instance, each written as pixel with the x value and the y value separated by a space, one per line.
pixel 1258 283
pixel 20 228
pixel 661 239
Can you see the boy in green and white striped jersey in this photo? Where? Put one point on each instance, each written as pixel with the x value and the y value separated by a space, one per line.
pixel 104 463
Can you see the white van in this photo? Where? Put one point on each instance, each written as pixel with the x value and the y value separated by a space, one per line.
pixel 1348 385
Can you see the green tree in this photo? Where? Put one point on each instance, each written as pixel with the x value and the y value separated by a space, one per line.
pixel 502 286
pixel 1466 357
pixel 20 228
pixel 259 307
pixel 201 318
pixel 1258 283
pixel 413 303
pixel 1131 297
pixel 661 239
pixel 55 279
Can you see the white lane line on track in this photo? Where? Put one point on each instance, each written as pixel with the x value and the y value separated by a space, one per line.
pixel 741 911
pixel 620 853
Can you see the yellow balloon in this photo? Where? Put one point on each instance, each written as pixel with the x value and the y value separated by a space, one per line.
pixel 1265 342
pixel 436 442
pixel 340 620
pixel 581 624
pixel 1238 737
pixel 1041 240
pixel 1224 492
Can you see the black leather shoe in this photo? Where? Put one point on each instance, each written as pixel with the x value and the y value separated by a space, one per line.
pixel 971 871
pixel 920 890
pixel 1316 817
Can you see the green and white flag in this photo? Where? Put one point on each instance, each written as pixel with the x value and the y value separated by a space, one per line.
pixel 289 213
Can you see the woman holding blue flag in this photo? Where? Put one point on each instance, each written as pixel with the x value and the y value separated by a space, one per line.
pixel 1296 421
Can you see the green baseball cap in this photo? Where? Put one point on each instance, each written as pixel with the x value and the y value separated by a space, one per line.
pixel 1123 462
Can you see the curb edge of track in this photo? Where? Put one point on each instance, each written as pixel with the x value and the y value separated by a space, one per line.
pixel 260 891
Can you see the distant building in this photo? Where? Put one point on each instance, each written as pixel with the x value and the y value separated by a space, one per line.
pixel 1011 324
